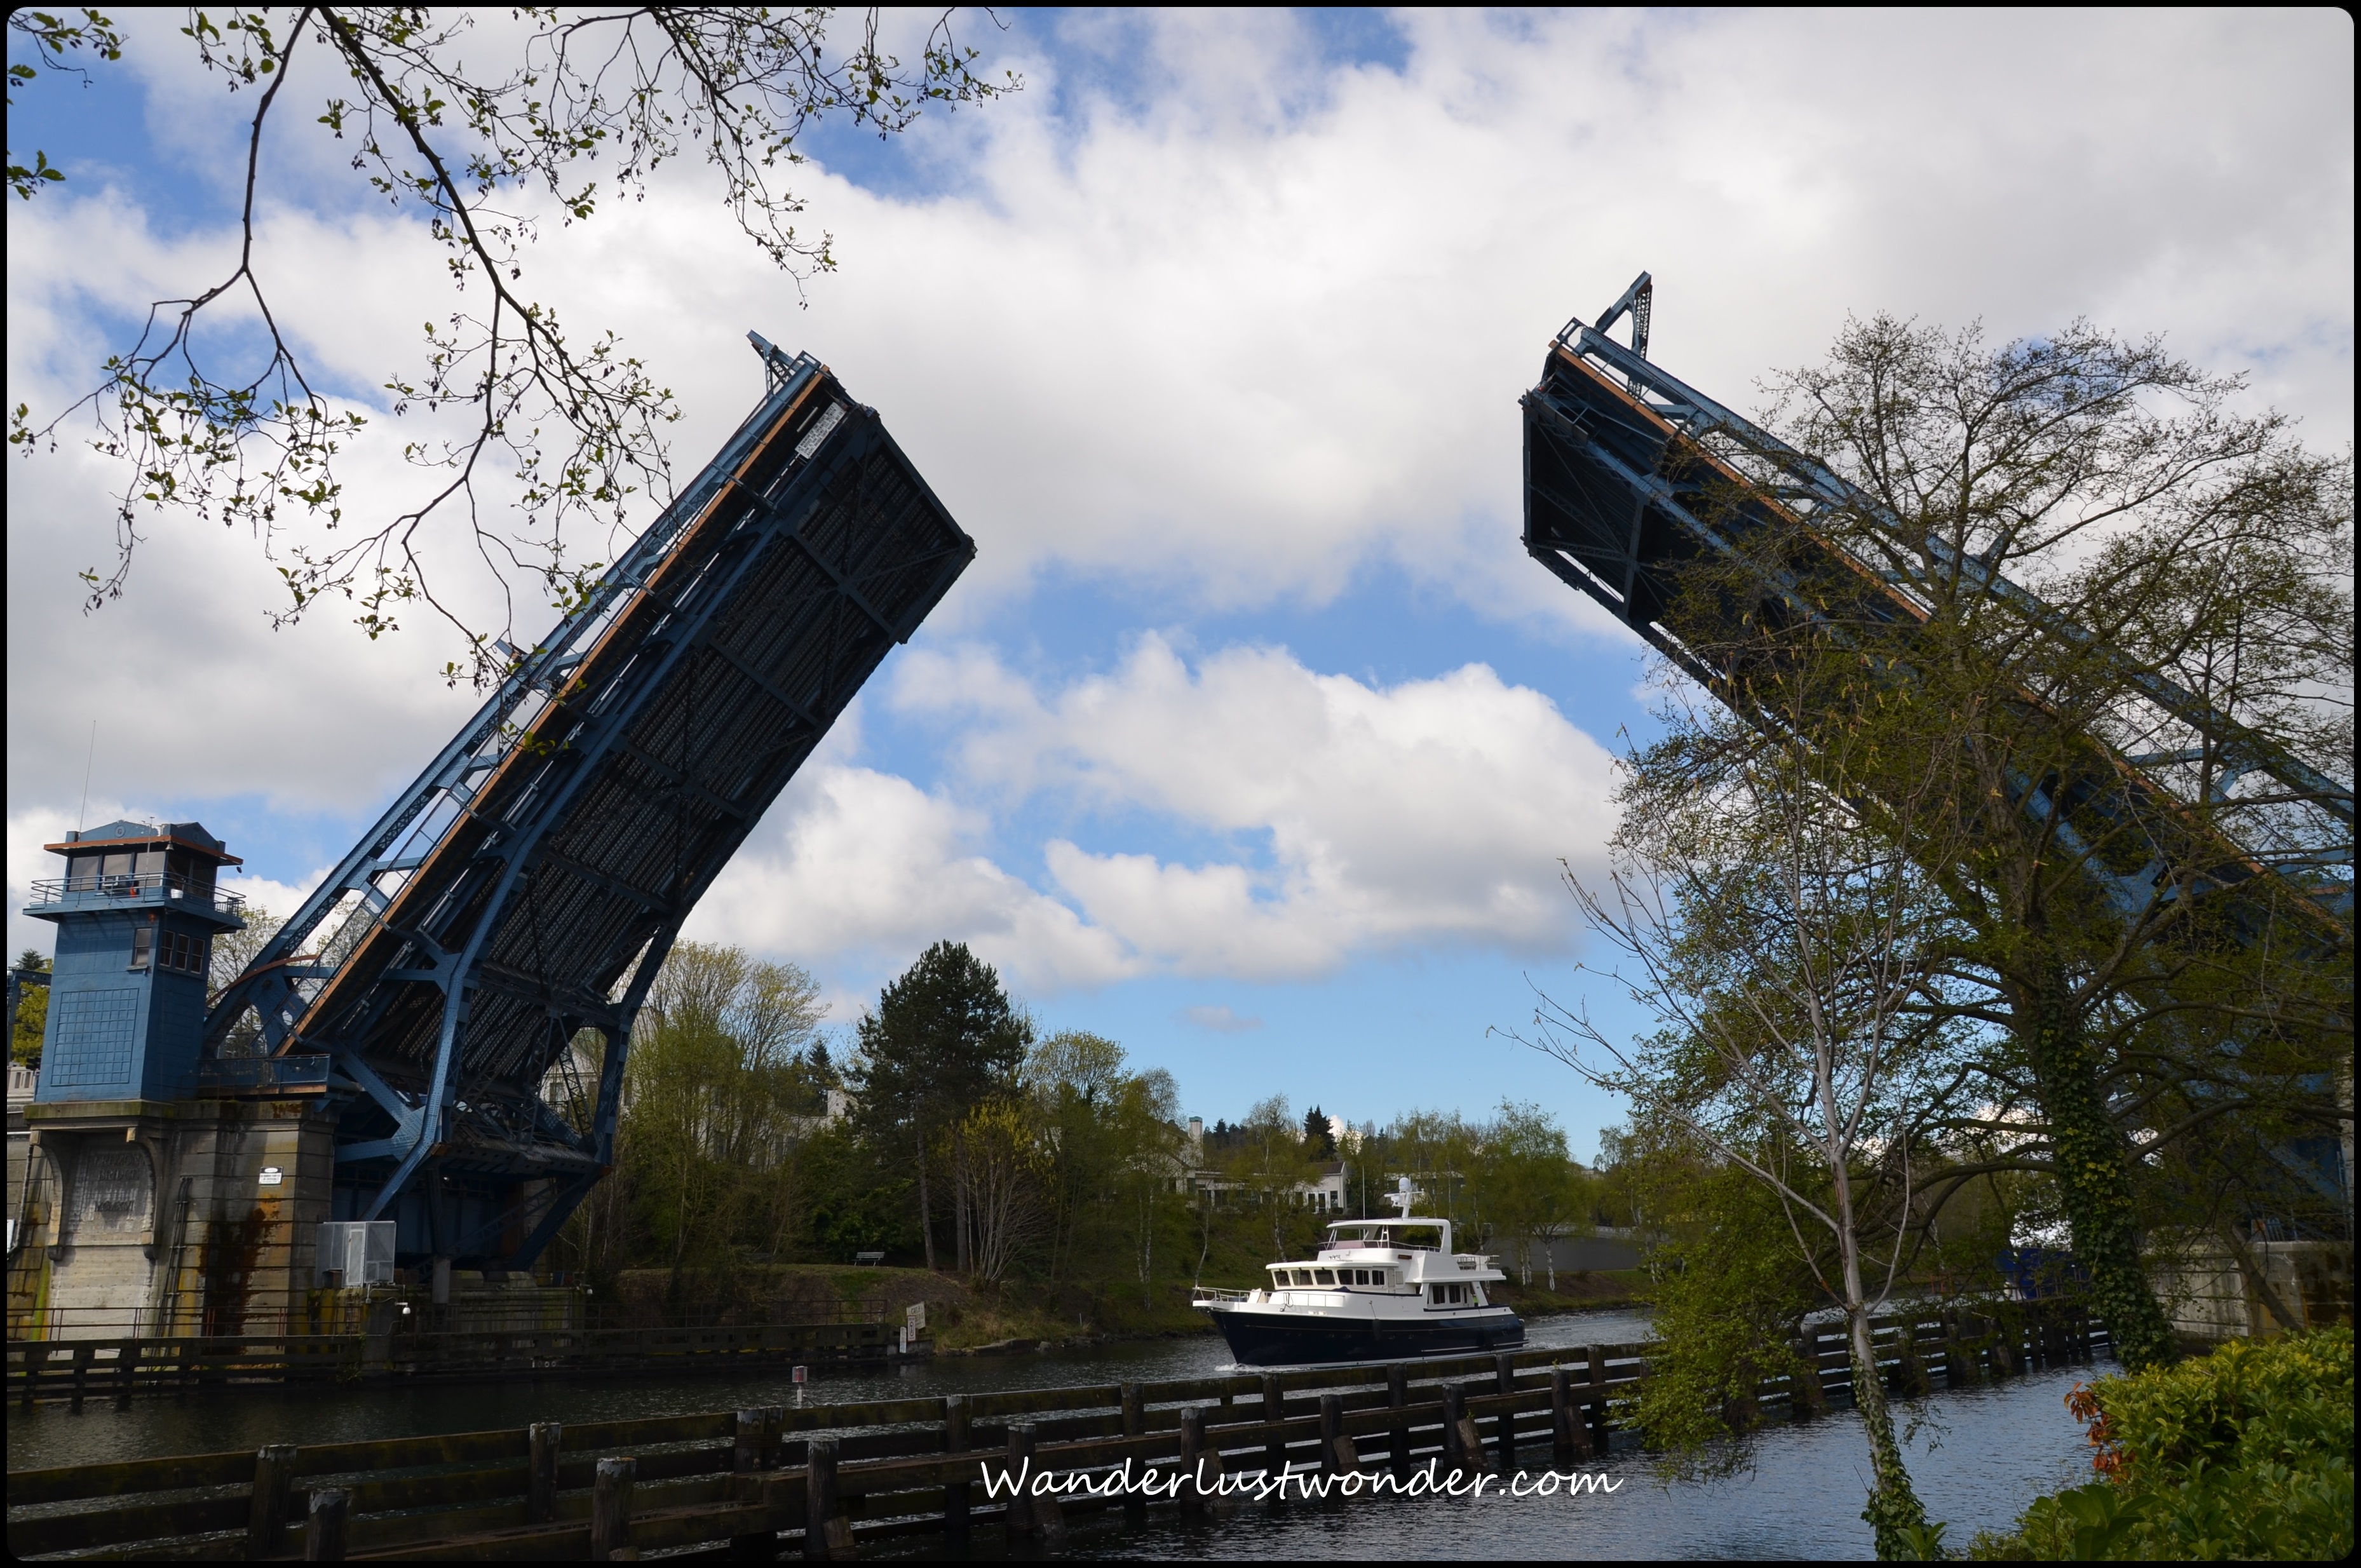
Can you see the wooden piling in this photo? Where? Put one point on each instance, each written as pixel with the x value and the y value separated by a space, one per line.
pixel 1461 1449
pixel 1397 1435
pixel 541 1442
pixel 274 1480
pixel 755 1449
pixel 2006 1347
pixel 1504 1435
pixel 324 1525
pixel 1194 1467
pixel 1031 1515
pixel 1809 1396
pixel 1959 1357
pixel 1337 1454
pixel 1019 1463
pixel 610 1508
pixel 1601 1442
pixel 826 1534
pixel 1135 1424
pixel 1910 1378
pixel 1569 1434
pixel 126 1367
pixel 83 1356
pixel 1274 1408
pixel 956 1509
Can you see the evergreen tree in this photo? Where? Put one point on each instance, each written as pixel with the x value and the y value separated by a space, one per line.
pixel 943 1038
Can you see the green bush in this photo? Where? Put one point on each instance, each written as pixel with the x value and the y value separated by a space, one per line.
pixel 2246 1452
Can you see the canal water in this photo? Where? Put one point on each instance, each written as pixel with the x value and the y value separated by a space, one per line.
pixel 1977 1456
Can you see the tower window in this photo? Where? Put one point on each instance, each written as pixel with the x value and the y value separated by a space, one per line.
pixel 180 952
pixel 143 946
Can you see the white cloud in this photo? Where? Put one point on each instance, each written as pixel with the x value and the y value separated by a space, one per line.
pixel 1369 819
pixel 1431 811
pixel 856 863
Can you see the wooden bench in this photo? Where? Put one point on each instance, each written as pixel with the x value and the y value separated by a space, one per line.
pixel 868 1259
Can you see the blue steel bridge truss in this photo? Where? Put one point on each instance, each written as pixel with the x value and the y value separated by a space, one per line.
pixel 529 884
pixel 1633 480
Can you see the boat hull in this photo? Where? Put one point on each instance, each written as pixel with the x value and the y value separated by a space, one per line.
pixel 1275 1339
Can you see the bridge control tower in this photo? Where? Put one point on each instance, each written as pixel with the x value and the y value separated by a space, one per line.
pixel 136 913
pixel 160 1199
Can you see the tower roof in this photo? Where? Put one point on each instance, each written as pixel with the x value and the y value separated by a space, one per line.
pixel 128 835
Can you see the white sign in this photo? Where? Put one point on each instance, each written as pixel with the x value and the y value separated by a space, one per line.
pixel 272 1176
pixel 916 1317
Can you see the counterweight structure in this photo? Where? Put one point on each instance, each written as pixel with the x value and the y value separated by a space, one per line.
pixel 529 884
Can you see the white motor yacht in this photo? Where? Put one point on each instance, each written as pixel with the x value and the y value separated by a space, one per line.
pixel 1379 1290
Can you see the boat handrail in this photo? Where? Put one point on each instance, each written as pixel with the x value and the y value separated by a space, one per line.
pixel 1211 1293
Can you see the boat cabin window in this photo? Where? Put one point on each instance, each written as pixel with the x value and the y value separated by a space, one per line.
pixel 1454 1295
pixel 1327 1275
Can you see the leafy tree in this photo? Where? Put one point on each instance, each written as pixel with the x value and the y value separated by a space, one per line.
pixel 1781 953
pixel 1728 1292
pixel 2107 952
pixel 713 1099
pixel 1525 1180
pixel 943 1040
pixel 486 137
pixel 1270 1160
pixel 32 1013
pixel 1113 1146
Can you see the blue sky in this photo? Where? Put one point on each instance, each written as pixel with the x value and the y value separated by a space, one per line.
pixel 1252 740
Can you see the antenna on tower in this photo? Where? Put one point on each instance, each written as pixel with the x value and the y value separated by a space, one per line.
pixel 82 818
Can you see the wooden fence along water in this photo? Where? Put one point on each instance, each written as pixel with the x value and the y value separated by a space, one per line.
pixel 77 1369
pixel 754 1484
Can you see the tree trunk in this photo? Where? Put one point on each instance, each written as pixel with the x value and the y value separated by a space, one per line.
pixel 2092 1170
pixel 926 1209
pixel 1894 1509
pixel 962 1202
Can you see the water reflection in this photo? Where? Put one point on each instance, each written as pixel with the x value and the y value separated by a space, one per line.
pixel 1979 1456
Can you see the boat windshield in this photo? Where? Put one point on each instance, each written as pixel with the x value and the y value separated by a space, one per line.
pixel 1415 1235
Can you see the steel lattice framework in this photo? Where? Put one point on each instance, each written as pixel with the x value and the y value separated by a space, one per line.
pixel 1632 478
pixel 530 883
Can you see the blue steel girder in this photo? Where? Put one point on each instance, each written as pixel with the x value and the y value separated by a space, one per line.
pixel 532 880
pixel 1618 458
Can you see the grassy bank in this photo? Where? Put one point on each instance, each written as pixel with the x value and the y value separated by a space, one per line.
pixel 1588 1291
pixel 961 1316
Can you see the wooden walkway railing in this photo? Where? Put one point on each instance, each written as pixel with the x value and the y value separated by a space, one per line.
pixel 754 1483
pixel 77 1369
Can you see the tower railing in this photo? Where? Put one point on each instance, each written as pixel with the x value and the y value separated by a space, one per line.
pixel 170 887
